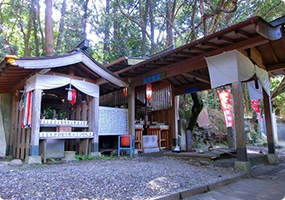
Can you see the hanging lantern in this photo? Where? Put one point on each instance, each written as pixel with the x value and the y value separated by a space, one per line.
pixel 125 91
pixel 148 91
pixel 73 95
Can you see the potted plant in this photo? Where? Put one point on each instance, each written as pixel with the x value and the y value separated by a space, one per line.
pixel 62 114
pixel 48 113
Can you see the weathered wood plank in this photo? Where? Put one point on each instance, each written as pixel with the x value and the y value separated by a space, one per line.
pixel 35 127
pixel 239 122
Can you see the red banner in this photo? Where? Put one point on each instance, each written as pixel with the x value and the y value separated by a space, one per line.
pixel 255 106
pixel 225 100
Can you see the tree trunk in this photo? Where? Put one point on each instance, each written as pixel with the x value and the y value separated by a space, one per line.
pixel 152 48
pixel 61 26
pixel 40 26
pixel 27 51
pixel 144 15
pixel 115 31
pixel 49 48
pixel 85 16
pixel 169 31
pixel 196 109
pixel 37 46
pixel 107 31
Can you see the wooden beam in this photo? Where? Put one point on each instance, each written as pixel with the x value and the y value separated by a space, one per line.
pixel 268 122
pixel 239 121
pixel 210 44
pixel 199 77
pixel 256 57
pixel 276 67
pixel 5 90
pixel 22 83
pixel 72 76
pixel 117 61
pixel 181 89
pixel 198 62
pixel 243 33
pixel 273 53
pixel 226 39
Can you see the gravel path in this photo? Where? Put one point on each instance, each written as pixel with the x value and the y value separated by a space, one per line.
pixel 141 177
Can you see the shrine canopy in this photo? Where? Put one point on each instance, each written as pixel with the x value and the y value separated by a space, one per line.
pixel 77 68
pixel 233 66
pixel 186 67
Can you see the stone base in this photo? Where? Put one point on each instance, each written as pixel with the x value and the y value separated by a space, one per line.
pixel 95 154
pixel 33 160
pixel 69 156
pixel 243 166
pixel 15 162
pixel 272 158
pixel 150 150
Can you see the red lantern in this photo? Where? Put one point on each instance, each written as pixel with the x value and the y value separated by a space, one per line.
pixel 73 100
pixel 125 91
pixel 148 91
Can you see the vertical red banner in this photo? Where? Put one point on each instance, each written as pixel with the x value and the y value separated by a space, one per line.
pixel 255 106
pixel 225 100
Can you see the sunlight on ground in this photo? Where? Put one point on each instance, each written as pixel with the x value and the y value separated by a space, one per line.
pixel 253 151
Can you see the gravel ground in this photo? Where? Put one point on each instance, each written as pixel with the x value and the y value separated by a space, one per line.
pixel 279 151
pixel 141 177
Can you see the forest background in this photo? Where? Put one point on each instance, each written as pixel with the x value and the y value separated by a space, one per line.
pixel 134 28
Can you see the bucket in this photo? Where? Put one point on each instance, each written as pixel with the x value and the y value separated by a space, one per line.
pixel 125 140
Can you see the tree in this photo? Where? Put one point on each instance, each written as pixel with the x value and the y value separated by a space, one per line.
pixel 49 48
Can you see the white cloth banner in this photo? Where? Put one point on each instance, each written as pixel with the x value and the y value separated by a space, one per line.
pixel 254 93
pixel 47 82
pixel 233 66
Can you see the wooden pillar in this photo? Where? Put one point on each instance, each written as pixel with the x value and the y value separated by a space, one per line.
pixel 13 126
pixel 94 123
pixel 35 127
pixel 239 122
pixel 175 116
pixel 131 110
pixel 268 122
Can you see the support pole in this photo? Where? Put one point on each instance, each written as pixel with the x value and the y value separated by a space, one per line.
pixel 131 110
pixel 94 125
pixel 239 122
pixel 175 105
pixel 34 157
pixel 268 123
pixel 35 127
pixel 13 122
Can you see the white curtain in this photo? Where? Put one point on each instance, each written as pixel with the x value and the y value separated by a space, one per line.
pixel 47 82
pixel 254 93
pixel 232 66
pixel 229 67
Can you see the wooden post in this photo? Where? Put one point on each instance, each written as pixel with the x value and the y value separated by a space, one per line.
pixel 13 126
pixel 175 116
pixel 268 123
pixel 239 122
pixel 35 129
pixel 94 124
pixel 131 110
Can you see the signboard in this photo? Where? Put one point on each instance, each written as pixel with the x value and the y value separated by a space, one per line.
pixel 225 100
pixel 255 105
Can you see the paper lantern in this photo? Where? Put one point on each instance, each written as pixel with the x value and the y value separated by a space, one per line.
pixel 148 91
pixel 73 100
pixel 125 91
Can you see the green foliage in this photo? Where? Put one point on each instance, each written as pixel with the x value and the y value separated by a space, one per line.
pixel 255 136
pixel 83 157
pixel 89 157
pixel 48 113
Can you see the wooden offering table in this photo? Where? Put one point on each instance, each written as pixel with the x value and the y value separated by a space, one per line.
pixel 162 132
pixel 138 137
pixel 62 129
